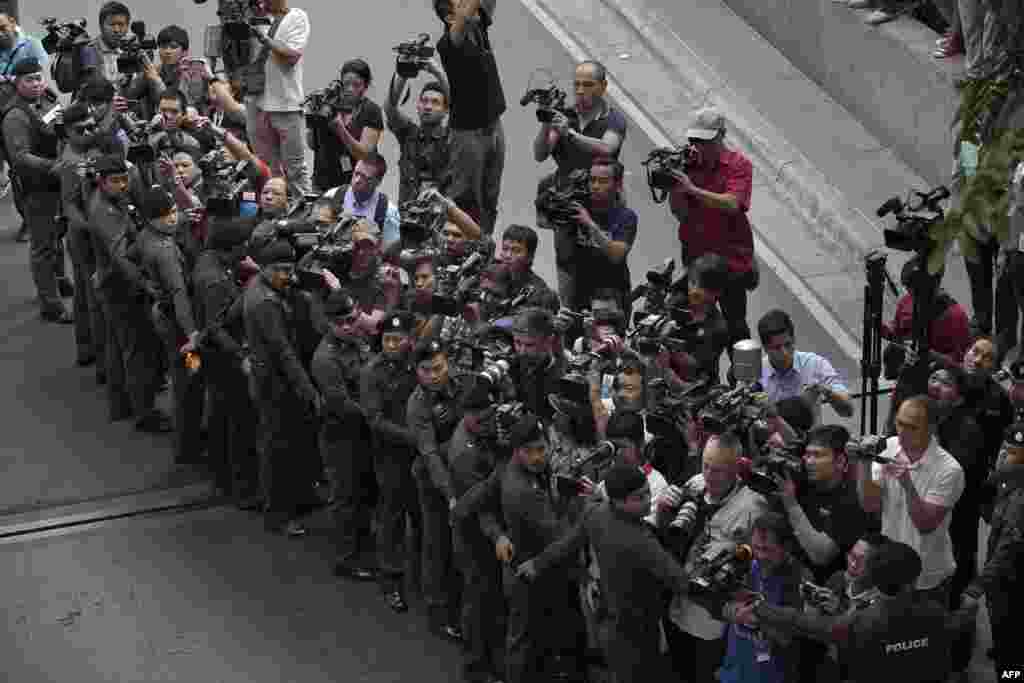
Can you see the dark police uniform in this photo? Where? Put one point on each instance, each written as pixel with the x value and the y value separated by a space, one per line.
pixel 284 395
pixel 164 266
pixel 432 418
pixel 344 442
pixel 385 387
pixel 533 384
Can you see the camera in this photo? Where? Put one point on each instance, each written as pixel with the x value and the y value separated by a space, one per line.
pixel 320 106
pixel 133 47
pixel 738 409
pixel 506 415
pixel 870 447
pixel 63 35
pixel 237 16
pixel 655 291
pixel 423 219
pixel 550 101
pixel 413 55
pixel 663 162
pixel 224 181
pixel 721 572
pixel 820 598
pixel 674 330
pixel 771 470
pixel 915 220
pixel 556 201
pixel 496 371
pixel 571 470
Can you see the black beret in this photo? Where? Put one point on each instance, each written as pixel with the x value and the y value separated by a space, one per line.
pixel 626 425
pixel 1014 435
pixel 526 431
pixel 536 322
pixel 622 480
pixel 26 67
pixel 278 251
pixel 228 233
pixel 399 322
pixel 111 164
pixel 478 397
pixel 156 203
pixel 893 566
pixel 427 349
pixel 339 304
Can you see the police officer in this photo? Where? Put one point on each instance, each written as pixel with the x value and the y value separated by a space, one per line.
pixel 218 311
pixel 480 541
pixel 344 435
pixel 898 637
pixel 433 413
pixel 537 366
pixel 163 263
pixel 31 146
pixel 285 396
pixel 126 296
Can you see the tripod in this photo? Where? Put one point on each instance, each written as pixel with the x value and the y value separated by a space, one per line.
pixel 871 356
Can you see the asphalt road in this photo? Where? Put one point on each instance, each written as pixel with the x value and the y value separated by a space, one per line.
pixel 62 448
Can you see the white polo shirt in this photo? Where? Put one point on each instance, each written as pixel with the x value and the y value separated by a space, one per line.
pixel 939 480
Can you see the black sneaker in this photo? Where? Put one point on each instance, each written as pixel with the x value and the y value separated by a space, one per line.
pixel 348 569
pixel 396 601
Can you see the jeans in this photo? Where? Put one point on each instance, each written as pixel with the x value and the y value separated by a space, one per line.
pixel 476 162
pixel 279 138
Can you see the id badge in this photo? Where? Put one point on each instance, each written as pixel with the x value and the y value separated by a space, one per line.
pixel 346 163
pixel 763 657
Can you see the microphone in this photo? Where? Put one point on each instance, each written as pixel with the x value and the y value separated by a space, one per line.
pixel 893 205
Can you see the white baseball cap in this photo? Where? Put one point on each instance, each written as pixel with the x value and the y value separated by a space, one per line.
pixel 707 124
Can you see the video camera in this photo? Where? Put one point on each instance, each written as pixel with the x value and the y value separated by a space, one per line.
pixel 662 162
pixel 768 473
pixel 323 250
pixel 675 331
pixel 915 220
pixel 571 470
pixel 449 280
pixel 321 106
pixel 550 101
pixel 238 16
pixel 655 291
pixel 224 181
pixel 819 597
pixel 738 410
pixel 63 35
pixel 139 131
pixel 136 44
pixel 870 447
pixel 423 218
pixel 556 201
pixel 413 55
pixel 722 572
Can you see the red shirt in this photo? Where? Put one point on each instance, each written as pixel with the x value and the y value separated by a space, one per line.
pixel 714 230
pixel 949 334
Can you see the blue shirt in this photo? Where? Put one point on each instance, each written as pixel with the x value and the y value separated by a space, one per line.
pixel 808 368
pixel 25 48
pixel 751 658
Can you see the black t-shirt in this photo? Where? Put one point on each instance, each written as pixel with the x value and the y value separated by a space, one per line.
pixel 332 162
pixel 477 98
pixel 838 514
pixel 570 156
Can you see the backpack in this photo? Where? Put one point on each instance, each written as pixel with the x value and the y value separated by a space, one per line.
pixel 380 214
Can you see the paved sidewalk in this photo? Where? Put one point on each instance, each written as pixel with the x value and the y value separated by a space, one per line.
pixel 819 175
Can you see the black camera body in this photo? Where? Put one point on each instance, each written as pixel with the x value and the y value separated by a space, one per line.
pixel 550 101
pixel 662 162
pixel 224 180
pixel 820 598
pixel 739 410
pixel 583 460
pixel 870 447
pixel 238 16
pixel 63 35
pixel 412 56
pixel 556 201
pixel 133 47
pixel 423 219
pixel 915 220
pixel 722 572
pixel 140 151
pixel 773 468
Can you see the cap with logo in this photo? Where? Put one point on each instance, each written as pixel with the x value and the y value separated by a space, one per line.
pixel 399 322
pixel 27 67
pixel 707 123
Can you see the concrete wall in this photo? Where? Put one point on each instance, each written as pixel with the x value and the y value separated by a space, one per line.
pixel 883 75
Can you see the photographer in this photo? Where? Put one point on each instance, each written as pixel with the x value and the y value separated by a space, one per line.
pixel 100 54
pixel 712 211
pixel 636 571
pixel 31 145
pixel 178 70
pixel 515 259
pixel 791 373
pixel 353 132
pixel 477 148
pixel 724 514
pixel 363 197
pixel 433 413
pixel 276 125
pixel 595 249
pixel 826 516
pixel 424 146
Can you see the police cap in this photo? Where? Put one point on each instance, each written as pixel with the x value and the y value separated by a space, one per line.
pixel 426 350
pixel 278 251
pixel 526 431
pixel 111 164
pixel 399 322
pixel 27 67
pixel 1014 435
pixel 622 480
pixel 339 304
pixel 893 566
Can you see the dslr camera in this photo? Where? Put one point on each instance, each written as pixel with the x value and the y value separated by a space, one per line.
pixel 413 56
pixel 556 201
pixel 550 101
pixel 63 35
pixel 662 162
pixel 136 44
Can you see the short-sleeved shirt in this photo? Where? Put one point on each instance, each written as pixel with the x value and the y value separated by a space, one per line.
pixel 939 480
pixel 570 156
pixel 477 98
pixel 709 230
pixel 25 48
pixel 425 156
pixel 283 90
pixel 594 269
pixel 333 163
pixel 838 514
pixel 808 368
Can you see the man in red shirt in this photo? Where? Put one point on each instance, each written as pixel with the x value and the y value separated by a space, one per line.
pixel 711 202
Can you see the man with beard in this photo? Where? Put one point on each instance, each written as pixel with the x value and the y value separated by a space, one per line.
pixel 164 266
pixel 385 387
pixel 434 411
pixel 538 364
pixel 518 249
pixel 363 198
pixel 31 145
pixel 344 434
pixel 424 145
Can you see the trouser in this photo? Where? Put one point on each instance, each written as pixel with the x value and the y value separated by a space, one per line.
pixel 1009 303
pixel 477 161
pixel 139 348
pixel 633 650
pixel 396 498
pixel 950 11
pixel 348 464
pixel 441 585
pixel 119 405
pixel 1004 617
pixel 483 605
pixel 694 659
pixel 979 27
pixel 188 392
pixel 544 631
pixel 46 256
pixel 79 246
pixel 288 453
pixel 963 532
pixel 230 443
pixel 279 138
